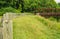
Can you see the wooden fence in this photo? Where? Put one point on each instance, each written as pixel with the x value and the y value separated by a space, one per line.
pixel 7 26
pixel 6 30
pixel 49 14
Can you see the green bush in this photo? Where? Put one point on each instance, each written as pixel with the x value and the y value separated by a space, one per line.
pixel 8 9
pixel 55 19
pixel 52 19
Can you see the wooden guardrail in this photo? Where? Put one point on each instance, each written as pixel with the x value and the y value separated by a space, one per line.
pixel 49 14
pixel 7 25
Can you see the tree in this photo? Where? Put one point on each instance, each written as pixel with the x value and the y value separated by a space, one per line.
pixel 58 5
pixel 30 5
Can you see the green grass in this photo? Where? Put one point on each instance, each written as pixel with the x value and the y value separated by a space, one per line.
pixel 0 21
pixel 0 16
pixel 35 27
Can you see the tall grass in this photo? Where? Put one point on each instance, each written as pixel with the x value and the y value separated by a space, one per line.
pixel 35 27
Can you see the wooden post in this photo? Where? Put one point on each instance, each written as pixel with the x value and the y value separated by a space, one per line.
pixel 1 35
pixel 7 27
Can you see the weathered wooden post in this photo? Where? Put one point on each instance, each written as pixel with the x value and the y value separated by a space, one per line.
pixel 1 35
pixel 7 26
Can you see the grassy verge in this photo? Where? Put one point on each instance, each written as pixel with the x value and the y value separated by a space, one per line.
pixel 35 27
pixel 0 20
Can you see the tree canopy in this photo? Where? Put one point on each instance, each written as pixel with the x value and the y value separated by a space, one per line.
pixel 28 5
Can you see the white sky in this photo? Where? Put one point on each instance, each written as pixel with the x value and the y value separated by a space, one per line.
pixel 57 1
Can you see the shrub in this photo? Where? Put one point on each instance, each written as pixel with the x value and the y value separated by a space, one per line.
pixel 52 19
pixel 8 9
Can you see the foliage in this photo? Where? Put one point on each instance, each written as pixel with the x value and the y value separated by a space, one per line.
pixel 57 19
pixel 58 5
pixel 52 19
pixel 8 9
pixel 35 27
pixel 28 5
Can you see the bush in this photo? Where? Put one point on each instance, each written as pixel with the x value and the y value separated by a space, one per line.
pixel 8 9
pixel 52 19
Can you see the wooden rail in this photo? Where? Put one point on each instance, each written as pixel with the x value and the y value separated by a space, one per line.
pixel 49 14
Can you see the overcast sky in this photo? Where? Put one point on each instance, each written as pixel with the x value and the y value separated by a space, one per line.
pixel 57 1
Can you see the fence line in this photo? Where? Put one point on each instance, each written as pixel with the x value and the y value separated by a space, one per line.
pixel 8 24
